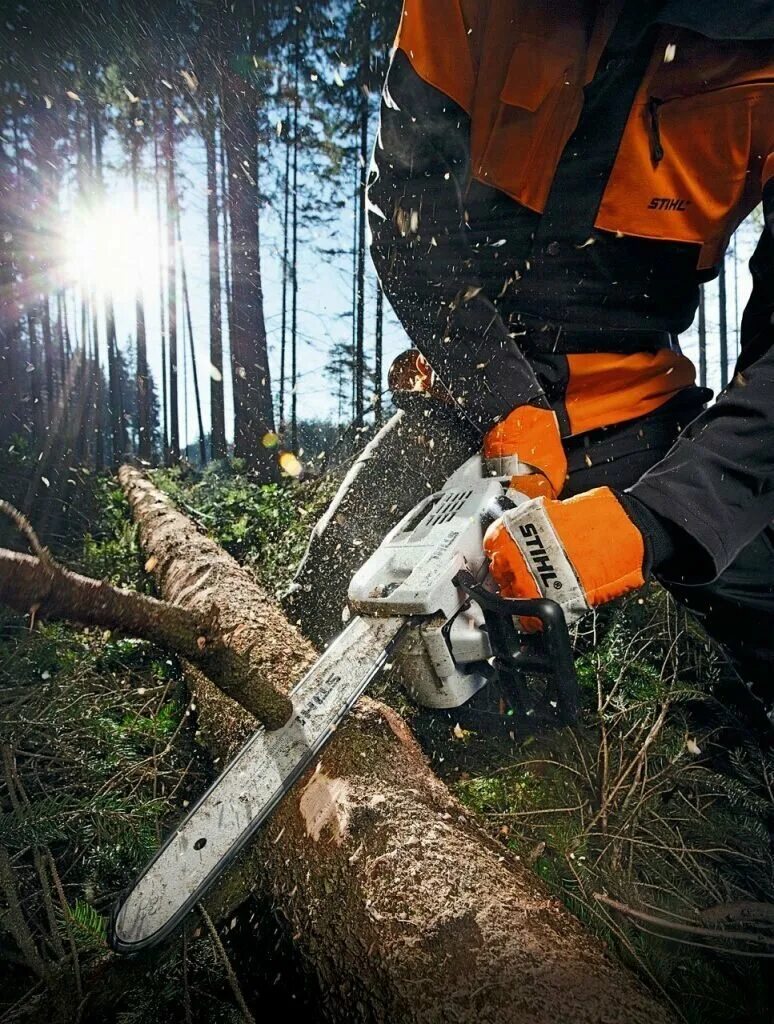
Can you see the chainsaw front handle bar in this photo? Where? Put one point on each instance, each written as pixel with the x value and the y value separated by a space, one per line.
pixel 554 654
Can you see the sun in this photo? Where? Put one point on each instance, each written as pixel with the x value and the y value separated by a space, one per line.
pixel 107 247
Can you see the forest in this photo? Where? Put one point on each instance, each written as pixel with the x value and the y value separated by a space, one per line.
pixel 194 348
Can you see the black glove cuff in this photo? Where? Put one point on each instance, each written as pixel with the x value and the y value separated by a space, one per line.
pixel 661 537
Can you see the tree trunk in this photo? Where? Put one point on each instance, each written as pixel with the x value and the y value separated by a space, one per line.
pixel 144 430
pixel 11 365
pixel 294 250
pixel 217 406
pixel 162 319
pixel 117 422
pixel 223 645
pixel 379 354
pixel 169 154
pixel 194 371
pixel 285 269
pixel 406 909
pixel 723 323
pixel 360 367
pixel 252 383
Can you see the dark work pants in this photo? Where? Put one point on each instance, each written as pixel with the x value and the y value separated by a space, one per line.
pixel 419 449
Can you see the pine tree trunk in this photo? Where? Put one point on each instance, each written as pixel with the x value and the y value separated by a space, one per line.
pixel 379 354
pixel 723 323
pixel 171 213
pixel 10 356
pixel 162 318
pixel 115 397
pixel 217 406
pixel 285 270
pixel 252 382
pixel 401 904
pixel 144 431
pixel 360 368
pixel 294 249
pixel 194 371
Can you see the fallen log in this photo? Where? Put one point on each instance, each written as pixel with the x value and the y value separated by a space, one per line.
pixel 404 908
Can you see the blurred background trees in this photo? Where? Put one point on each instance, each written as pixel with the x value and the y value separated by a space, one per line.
pixel 155 159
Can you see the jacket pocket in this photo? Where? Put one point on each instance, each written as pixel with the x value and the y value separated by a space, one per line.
pixel 532 123
pixel 681 170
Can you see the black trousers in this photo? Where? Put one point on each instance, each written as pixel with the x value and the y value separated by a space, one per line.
pixel 420 447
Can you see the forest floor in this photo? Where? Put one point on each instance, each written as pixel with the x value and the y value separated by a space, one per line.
pixel 651 818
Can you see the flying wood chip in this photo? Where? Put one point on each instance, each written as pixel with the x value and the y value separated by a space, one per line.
pixel 290 464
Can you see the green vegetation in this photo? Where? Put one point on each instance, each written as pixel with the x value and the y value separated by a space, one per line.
pixel 263 526
pixel 98 760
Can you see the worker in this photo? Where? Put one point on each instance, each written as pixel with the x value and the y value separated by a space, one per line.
pixel 551 184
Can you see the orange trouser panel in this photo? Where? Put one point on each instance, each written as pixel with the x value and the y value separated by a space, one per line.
pixel 605 388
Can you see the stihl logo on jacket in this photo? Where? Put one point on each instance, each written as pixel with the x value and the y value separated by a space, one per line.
pixel 665 203
pixel 538 554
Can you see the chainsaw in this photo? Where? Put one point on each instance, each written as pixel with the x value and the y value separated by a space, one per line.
pixel 422 595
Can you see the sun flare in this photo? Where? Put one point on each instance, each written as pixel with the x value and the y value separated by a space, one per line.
pixel 107 247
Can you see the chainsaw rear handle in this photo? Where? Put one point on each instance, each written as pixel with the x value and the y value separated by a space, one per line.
pixel 555 659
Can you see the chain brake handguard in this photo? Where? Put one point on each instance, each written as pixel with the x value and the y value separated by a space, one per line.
pixel 548 652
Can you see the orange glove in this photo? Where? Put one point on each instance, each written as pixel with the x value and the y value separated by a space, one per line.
pixel 528 436
pixel 581 552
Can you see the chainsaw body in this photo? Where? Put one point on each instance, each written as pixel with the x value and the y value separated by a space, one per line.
pixel 432 566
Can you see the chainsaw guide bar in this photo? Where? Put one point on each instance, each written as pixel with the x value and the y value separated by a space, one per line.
pixel 242 798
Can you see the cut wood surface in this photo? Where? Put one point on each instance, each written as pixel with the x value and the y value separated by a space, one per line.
pixel 405 909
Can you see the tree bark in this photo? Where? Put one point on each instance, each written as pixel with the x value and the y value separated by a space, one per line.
pixel 169 159
pixel 29 585
pixel 144 430
pixel 405 908
pixel 225 648
pixel 217 406
pixel 117 421
pixel 253 415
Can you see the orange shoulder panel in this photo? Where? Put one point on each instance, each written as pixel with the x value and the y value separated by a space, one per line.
pixel 434 36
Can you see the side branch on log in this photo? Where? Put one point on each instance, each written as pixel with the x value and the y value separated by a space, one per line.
pixel 44 588
pixel 195 573
pixel 28 584
pixel 405 908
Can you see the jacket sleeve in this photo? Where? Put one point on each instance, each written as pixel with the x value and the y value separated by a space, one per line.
pixel 717 482
pixel 421 242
